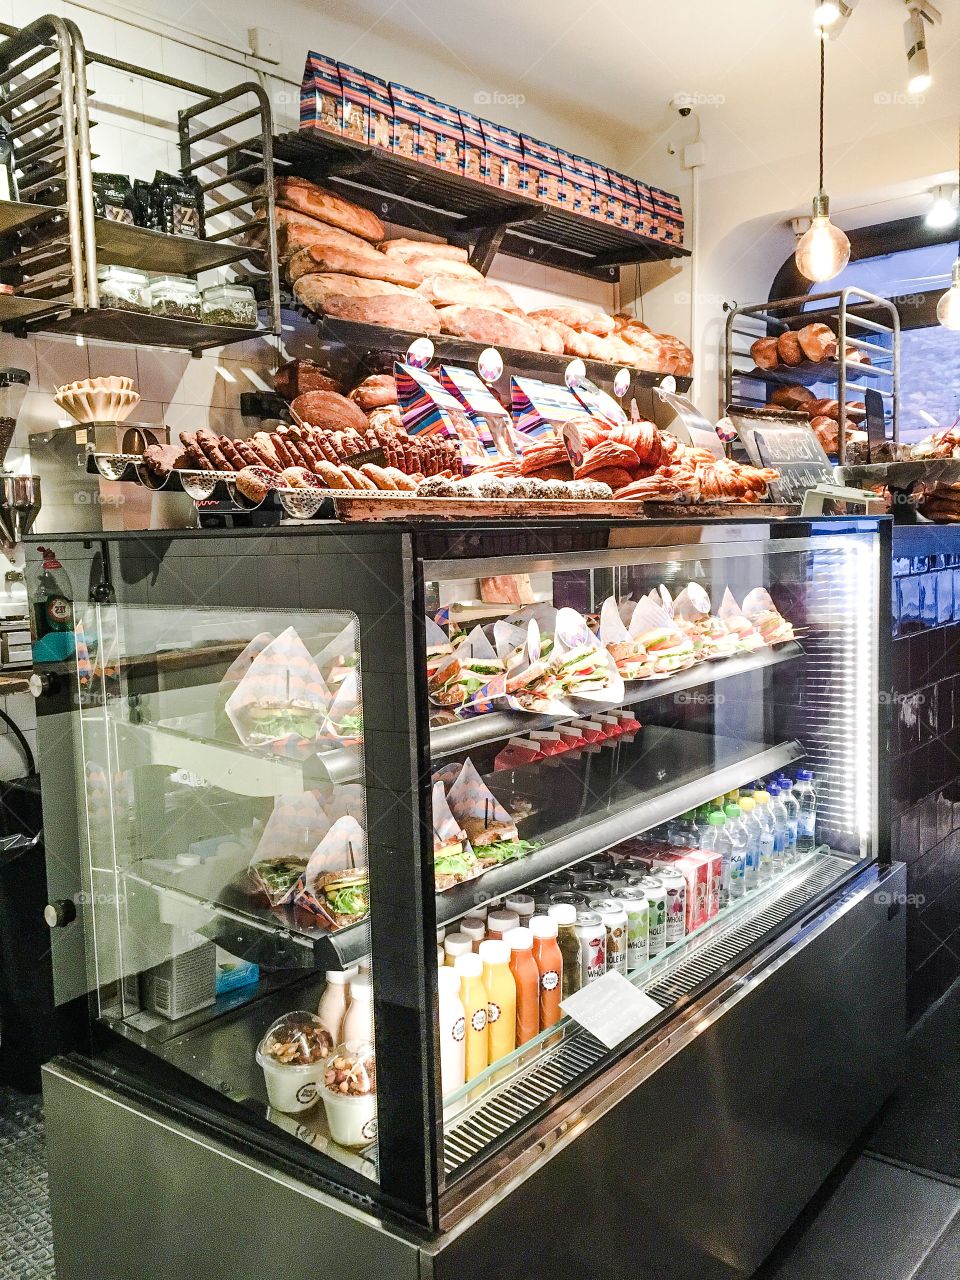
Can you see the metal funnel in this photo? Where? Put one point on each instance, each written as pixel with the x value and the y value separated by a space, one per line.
pixel 19 507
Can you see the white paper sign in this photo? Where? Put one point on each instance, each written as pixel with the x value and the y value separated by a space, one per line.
pixel 610 1008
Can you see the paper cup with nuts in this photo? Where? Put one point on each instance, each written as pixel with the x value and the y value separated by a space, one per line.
pixel 350 1094
pixel 294 1055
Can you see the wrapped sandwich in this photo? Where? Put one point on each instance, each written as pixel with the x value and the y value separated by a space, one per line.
pixel 773 627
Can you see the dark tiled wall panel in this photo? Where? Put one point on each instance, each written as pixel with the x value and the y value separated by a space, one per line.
pixel 925 754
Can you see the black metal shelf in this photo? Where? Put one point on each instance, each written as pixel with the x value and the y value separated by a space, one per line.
pixel 127 245
pixel 111 324
pixel 808 373
pixel 682 770
pixel 463 210
pixel 15 215
pixel 463 735
pixel 367 343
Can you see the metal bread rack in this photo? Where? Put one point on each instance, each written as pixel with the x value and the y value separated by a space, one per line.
pixel 59 244
pixel 862 322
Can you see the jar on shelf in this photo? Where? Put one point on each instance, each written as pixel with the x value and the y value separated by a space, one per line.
pixel 230 304
pixel 175 297
pixel 123 288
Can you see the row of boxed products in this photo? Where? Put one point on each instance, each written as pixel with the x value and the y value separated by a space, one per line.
pixel 361 107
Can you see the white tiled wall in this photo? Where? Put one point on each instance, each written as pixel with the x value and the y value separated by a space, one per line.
pixel 135 134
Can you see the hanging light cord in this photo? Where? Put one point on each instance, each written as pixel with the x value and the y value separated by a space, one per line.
pixel 823 53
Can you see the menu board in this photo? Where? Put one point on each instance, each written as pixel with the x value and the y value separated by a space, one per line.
pixel 786 441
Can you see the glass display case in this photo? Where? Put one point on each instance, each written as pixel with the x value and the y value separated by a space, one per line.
pixel 384 851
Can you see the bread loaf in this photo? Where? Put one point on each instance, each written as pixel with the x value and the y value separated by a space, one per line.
pixel 318 202
pixel 402 310
pixel 297 376
pixel 792 397
pixel 789 349
pixel 401 247
pixel 648 352
pixel 818 342
pixel 624 320
pixel 375 392
pixel 314 290
pixel 497 328
pixel 765 353
pixel 364 262
pixel 430 265
pixel 299 231
pixel 550 339
pixel 581 319
pixel 448 291
pixel 327 409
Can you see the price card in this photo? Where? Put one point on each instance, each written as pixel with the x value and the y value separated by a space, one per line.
pixel 610 1008
pixel 784 440
pixel 702 433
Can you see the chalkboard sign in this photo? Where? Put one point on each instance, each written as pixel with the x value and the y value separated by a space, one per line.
pixel 786 441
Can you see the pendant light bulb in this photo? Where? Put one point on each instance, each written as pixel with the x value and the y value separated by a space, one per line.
pixel 823 250
pixel 826 13
pixel 943 209
pixel 948 308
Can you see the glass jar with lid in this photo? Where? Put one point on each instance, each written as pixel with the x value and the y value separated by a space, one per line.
pixel 176 297
pixel 230 304
pixel 123 287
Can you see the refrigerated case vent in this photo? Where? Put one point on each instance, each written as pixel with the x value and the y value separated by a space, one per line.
pixel 580 1051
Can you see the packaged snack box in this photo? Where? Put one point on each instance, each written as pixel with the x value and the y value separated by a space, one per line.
pixel 320 94
pixel 473 157
pixel 406 121
pixel 646 220
pixel 625 193
pixel 441 134
pixel 578 195
pixel 668 214
pixel 380 128
pixel 545 178
pixel 354 103
pixel 506 165
pixel 586 179
pixel 606 201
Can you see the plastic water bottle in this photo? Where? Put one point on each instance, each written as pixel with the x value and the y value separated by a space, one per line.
pixel 806 796
pixel 792 810
pixel 683 831
pixel 738 850
pixel 716 840
pixel 768 829
pixel 754 832
pixel 779 815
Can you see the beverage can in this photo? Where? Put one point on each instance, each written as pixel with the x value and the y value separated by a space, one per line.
pixel 676 887
pixel 615 922
pixel 656 893
pixel 599 863
pixel 637 906
pixel 592 936
pixel 571 897
pixel 594 889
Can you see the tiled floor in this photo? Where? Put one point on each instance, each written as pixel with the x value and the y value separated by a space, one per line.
pixel 26 1246
pixel 892 1214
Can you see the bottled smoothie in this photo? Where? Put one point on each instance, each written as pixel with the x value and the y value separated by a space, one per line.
pixel 456 944
pixel 473 997
pixel 565 914
pixel 501 998
pixel 453 1031
pixel 333 1002
pixel 499 923
pixel 526 977
pixel 474 929
pixel 549 962
pixel 358 1020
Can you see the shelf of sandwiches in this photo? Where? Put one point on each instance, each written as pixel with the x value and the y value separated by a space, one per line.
pixel 431 164
pixel 541 690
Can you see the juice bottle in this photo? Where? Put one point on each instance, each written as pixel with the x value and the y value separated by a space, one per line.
pixel 499 923
pixel 474 929
pixel 473 997
pixel 526 977
pixel 549 962
pixel 453 1029
pixel 565 914
pixel 501 998
pixel 456 944
pixel 333 1002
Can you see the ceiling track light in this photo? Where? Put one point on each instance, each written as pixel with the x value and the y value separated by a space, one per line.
pixel 948 308
pixel 920 12
pixel 822 251
pixel 831 16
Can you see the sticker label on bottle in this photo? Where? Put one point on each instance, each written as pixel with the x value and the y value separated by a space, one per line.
pixel 459 1029
pixel 549 980
pixel 478 1019
pixel 493 1013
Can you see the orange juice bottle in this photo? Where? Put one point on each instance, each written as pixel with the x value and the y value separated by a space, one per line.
pixel 501 998
pixel 473 995
pixel 526 977
pixel 549 959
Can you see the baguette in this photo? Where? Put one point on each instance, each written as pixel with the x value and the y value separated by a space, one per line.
pixel 497 328
pixel 364 262
pixel 318 202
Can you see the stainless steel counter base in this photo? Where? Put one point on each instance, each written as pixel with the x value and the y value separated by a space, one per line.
pixel 694 1174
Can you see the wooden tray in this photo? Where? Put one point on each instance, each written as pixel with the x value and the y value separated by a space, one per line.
pixel 370 506
pixel 717 510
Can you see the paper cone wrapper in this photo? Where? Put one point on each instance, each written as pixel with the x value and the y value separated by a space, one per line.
pixel 282 676
pixel 469 799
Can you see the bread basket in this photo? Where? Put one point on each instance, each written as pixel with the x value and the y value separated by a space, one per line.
pixel 110 399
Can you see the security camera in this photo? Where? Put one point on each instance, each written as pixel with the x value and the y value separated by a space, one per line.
pixel 682 103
